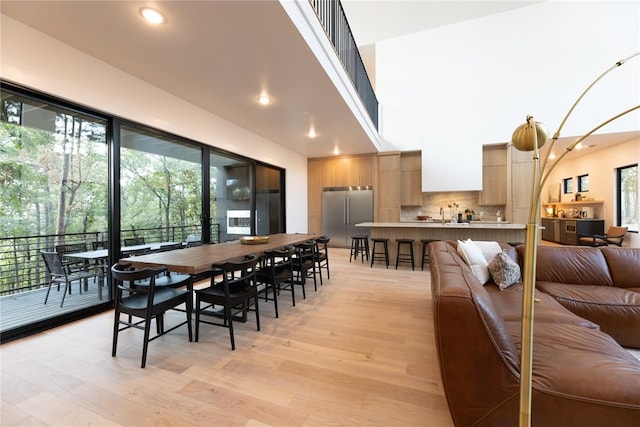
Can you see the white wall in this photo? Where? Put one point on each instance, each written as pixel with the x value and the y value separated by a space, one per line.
pixel 37 61
pixel 449 90
pixel 601 168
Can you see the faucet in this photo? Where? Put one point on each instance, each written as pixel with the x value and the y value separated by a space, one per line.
pixel 442 213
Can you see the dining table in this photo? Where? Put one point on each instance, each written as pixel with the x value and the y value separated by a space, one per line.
pixel 199 259
pixel 98 256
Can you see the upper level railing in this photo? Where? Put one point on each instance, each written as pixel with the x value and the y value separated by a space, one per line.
pixel 334 21
pixel 22 267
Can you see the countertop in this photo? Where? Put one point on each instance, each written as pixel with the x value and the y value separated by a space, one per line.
pixel 446 225
pixel 572 219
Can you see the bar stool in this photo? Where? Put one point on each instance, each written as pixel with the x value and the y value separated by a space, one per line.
pixel 380 255
pixel 405 257
pixel 359 245
pixel 425 253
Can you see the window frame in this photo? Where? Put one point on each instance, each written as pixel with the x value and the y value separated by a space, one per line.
pixel 581 181
pixel 567 185
pixel 619 198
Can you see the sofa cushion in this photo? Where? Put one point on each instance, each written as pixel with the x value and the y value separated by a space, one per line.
pixel 571 264
pixel 546 310
pixel 624 265
pixel 616 310
pixel 585 372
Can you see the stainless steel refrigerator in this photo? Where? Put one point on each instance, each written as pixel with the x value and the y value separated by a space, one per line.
pixel 342 209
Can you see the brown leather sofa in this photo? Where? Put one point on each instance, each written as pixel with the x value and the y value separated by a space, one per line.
pixel 588 305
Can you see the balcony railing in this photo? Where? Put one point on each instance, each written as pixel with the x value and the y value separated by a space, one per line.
pixel 334 21
pixel 22 268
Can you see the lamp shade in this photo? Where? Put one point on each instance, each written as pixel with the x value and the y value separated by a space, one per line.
pixel 524 138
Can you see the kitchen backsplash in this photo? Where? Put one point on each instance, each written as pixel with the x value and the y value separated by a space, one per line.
pixel 431 203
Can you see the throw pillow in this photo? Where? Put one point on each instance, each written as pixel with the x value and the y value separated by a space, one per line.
pixel 488 248
pixel 504 270
pixel 472 255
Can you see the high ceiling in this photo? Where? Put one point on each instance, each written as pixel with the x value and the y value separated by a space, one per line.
pixel 372 21
pixel 220 56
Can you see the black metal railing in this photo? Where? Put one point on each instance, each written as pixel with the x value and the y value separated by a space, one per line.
pixel 22 268
pixel 334 21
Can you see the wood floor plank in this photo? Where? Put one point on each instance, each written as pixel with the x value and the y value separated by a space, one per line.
pixel 359 351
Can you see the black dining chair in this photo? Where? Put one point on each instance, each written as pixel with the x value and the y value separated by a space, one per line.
pixel 276 274
pixel 322 256
pixel 141 300
pixel 61 274
pixel 134 241
pixel 233 288
pixel 304 265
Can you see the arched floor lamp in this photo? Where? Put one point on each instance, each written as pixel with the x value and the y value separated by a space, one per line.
pixel 530 136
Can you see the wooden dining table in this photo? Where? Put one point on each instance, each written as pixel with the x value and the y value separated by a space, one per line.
pixel 199 259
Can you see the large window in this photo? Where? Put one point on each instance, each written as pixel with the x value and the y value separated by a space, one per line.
pixel 627 197
pixel 78 182
pixel 160 187
pixel 53 192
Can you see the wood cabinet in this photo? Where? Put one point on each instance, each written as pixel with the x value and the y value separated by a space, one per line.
pixel 519 174
pixel 494 175
pixel 411 178
pixel 387 187
pixel 567 231
pixel 347 171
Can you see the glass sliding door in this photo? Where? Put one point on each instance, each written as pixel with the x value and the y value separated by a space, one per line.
pixel 269 200
pixel 53 197
pixel 231 192
pixel 160 190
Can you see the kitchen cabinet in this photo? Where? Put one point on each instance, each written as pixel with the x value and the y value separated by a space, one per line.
pixel 519 172
pixel 387 187
pixel 551 231
pixel 411 178
pixel 494 175
pixel 567 231
pixel 327 172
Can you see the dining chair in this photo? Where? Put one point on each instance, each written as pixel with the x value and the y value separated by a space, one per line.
pixel 613 236
pixel 68 248
pixel 141 300
pixel 322 256
pixel 59 273
pixel 236 293
pixel 170 247
pixel 134 241
pixel 100 264
pixel 304 265
pixel 276 273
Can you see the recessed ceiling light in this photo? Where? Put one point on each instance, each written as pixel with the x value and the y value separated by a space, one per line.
pixel 152 16
pixel 264 100
pixel 312 133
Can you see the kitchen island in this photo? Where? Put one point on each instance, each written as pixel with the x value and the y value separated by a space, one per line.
pixel 480 230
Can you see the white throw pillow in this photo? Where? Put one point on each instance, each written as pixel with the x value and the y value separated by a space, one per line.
pixel 488 249
pixel 472 255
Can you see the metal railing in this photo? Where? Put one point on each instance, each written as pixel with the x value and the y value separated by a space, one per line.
pixel 334 21
pixel 22 268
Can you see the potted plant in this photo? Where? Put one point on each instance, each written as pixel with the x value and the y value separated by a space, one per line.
pixel 469 214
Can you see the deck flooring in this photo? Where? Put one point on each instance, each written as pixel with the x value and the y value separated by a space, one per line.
pixel 29 307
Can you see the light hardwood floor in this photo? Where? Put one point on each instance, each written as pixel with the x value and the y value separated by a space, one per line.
pixel 359 351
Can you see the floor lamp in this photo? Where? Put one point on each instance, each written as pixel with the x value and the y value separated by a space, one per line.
pixel 531 136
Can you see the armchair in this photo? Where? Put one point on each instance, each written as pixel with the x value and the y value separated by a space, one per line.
pixel 614 236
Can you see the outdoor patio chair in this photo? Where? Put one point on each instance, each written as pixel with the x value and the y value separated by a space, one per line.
pixel 58 273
